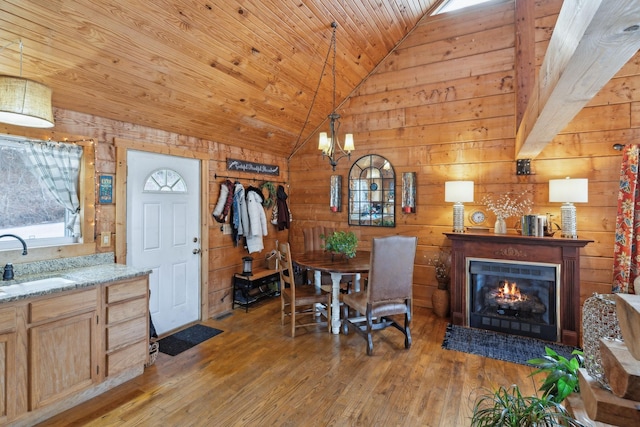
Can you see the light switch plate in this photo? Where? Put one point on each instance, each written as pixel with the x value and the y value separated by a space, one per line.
pixel 105 239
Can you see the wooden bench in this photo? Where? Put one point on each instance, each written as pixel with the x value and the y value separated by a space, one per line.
pixel 250 289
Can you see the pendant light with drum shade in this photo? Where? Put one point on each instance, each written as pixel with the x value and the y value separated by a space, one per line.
pixel 24 102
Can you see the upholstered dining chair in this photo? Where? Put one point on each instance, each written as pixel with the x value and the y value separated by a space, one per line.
pixel 388 293
pixel 299 300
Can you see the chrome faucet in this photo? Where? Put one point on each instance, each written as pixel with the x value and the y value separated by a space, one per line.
pixel 8 269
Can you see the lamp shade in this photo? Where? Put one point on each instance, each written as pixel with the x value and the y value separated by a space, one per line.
pixel 348 143
pixel 323 142
pixel 458 191
pixel 25 102
pixel 569 190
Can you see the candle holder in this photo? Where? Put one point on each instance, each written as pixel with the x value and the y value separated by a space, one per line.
pixel 409 192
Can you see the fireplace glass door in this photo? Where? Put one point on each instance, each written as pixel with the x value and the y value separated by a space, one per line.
pixel 514 297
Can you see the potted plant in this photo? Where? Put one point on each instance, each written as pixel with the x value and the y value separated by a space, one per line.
pixel 507 407
pixel 440 297
pixel 562 373
pixel 341 242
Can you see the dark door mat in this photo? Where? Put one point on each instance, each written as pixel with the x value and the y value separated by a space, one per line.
pixel 187 338
pixel 500 346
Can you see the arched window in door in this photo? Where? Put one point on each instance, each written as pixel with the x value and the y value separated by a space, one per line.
pixel 165 180
pixel 372 184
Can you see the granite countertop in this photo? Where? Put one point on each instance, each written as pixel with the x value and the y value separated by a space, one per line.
pixel 49 277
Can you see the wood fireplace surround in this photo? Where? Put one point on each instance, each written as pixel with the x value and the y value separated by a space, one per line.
pixel 514 247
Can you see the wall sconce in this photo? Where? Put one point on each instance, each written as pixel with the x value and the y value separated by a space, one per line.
pixel 409 192
pixel 458 192
pixel 335 193
pixel 569 191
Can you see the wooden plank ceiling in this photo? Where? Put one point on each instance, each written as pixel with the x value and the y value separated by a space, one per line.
pixel 241 72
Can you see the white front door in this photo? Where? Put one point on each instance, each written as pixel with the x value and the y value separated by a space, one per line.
pixel 163 234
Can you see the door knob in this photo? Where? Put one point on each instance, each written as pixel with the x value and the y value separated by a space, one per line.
pixel 196 251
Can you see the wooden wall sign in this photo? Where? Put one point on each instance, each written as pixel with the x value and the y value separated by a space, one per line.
pixel 244 166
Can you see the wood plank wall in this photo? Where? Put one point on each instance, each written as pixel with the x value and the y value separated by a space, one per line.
pixel 443 105
pixel 224 258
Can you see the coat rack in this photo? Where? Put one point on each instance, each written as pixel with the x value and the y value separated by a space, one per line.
pixel 237 178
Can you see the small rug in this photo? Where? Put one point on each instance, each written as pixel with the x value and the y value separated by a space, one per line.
pixel 500 346
pixel 187 338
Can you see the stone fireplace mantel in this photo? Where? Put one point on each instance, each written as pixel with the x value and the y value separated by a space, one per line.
pixel 514 247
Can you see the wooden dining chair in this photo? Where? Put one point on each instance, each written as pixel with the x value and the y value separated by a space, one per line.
pixel 388 293
pixel 300 300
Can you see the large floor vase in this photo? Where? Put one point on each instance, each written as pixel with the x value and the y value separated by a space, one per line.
pixel 440 302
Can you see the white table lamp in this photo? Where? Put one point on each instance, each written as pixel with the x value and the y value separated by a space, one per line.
pixel 569 191
pixel 458 192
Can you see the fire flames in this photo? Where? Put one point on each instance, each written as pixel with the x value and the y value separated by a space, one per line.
pixel 510 292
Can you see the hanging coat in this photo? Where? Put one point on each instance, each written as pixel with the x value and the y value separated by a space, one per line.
pixel 221 211
pixel 257 220
pixel 240 216
pixel 283 214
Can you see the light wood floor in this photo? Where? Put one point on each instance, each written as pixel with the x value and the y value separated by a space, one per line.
pixel 254 374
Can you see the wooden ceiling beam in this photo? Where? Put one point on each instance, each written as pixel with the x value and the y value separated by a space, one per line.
pixel 591 41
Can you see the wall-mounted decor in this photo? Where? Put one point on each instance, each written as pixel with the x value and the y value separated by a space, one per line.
pixel 105 192
pixel 335 193
pixel 409 192
pixel 244 166
pixel 372 184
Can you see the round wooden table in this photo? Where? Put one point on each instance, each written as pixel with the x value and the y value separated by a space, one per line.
pixel 337 266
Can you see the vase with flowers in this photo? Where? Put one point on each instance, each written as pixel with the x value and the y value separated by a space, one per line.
pixel 440 297
pixel 505 206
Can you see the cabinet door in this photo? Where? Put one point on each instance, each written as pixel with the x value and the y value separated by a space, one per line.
pixel 7 375
pixel 63 358
pixel 7 363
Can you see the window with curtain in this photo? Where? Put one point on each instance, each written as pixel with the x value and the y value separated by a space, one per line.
pixel 39 198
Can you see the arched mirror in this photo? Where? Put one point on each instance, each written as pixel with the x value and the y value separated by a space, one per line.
pixel 372 184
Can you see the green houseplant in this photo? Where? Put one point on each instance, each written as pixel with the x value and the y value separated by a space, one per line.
pixel 341 242
pixel 507 407
pixel 562 373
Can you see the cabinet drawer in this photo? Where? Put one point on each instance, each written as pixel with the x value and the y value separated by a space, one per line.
pixel 126 310
pixel 126 290
pixel 7 320
pixel 135 354
pixel 63 305
pixel 127 332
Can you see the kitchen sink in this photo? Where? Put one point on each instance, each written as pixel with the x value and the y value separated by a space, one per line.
pixel 36 285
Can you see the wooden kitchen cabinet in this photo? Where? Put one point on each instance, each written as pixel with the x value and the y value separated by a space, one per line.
pixel 59 350
pixel 126 325
pixel 62 346
pixel 7 363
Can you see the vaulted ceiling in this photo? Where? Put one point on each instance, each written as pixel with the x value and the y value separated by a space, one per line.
pixel 241 72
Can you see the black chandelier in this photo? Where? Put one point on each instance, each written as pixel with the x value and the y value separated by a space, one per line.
pixel 329 143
